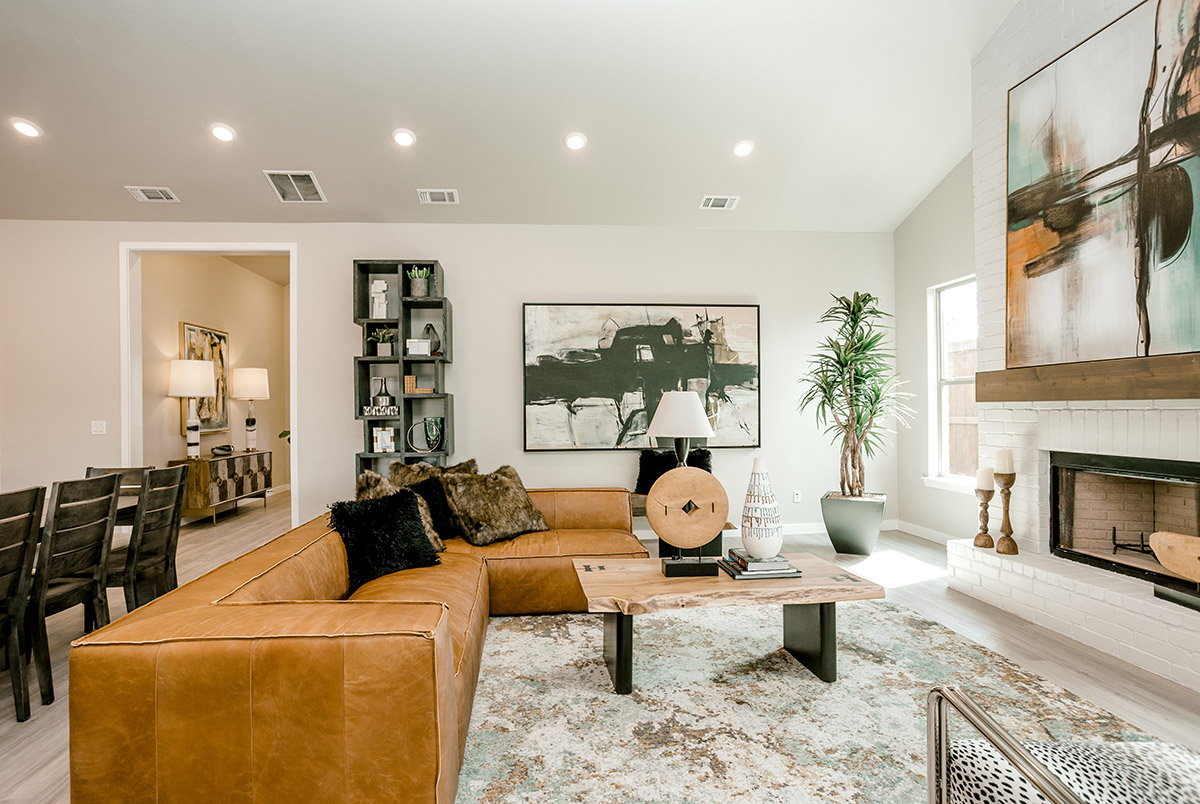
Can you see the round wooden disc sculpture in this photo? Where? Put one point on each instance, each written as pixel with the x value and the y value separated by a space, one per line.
pixel 687 507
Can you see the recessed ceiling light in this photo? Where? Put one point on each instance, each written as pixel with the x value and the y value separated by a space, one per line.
pixel 26 127
pixel 575 140
pixel 743 148
pixel 223 132
pixel 404 137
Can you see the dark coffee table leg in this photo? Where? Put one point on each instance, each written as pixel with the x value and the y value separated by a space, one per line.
pixel 810 634
pixel 618 650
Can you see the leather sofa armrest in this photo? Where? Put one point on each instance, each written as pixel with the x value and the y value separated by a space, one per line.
pixel 288 701
pixel 598 509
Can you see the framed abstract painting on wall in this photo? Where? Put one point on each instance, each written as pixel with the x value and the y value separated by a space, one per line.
pixel 203 343
pixel 594 373
pixel 1103 260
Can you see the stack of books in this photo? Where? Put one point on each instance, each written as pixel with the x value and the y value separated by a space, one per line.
pixel 741 566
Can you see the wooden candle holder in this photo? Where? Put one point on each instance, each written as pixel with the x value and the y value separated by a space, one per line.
pixel 1006 545
pixel 983 538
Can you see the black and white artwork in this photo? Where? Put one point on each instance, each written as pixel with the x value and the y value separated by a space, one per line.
pixel 594 373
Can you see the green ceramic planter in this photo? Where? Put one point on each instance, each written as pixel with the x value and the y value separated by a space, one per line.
pixel 853 523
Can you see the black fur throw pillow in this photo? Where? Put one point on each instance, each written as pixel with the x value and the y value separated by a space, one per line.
pixel 382 536
pixel 445 521
pixel 653 464
pixel 493 507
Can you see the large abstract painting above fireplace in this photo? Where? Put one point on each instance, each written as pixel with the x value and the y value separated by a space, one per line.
pixel 1104 509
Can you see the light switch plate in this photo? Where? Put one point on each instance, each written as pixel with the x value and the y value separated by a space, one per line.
pixel 795 496
pixel 99 428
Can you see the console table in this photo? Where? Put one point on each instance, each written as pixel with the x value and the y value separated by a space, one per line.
pixel 223 480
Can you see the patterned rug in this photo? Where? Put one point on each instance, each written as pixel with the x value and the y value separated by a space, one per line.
pixel 720 713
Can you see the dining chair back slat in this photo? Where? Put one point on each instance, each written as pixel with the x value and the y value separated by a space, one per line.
pixel 20 524
pixel 131 477
pixel 71 492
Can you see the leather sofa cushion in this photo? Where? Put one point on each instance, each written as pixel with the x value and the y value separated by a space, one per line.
pixel 460 582
pixel 533 574
pixel 584 508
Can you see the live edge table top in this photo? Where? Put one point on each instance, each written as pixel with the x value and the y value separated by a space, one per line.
pixel 637 586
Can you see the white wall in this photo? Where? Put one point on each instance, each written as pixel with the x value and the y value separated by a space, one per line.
pixel 935 244
pixel 209 290
pixel 490 270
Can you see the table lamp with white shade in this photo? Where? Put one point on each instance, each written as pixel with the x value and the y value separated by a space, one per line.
pixel 189 380
pixel 251 384
pixel 680 415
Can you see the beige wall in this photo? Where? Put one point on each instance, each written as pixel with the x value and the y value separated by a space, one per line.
pixel 935 244
pixel 209 290
pixel 490 271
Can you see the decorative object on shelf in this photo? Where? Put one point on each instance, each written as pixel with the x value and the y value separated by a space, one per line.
pixel 582 359
pixel 383 339
pixel 190 380
pixel 426 435
pixel 383 439
pixel 1085 134
pixel 688 508
pixel 435 340
pixel 854 390
pixel 383 399
pixel 1005 477
pixel 762 530
pixel 417 347
pixel 418 280
pixel 680 415
pixel 379 410
pixel 434 426
pixel 203 343
pixel 221 450
pixel 379 298
pixel 410 383
pixel 985 489
pixel 251 384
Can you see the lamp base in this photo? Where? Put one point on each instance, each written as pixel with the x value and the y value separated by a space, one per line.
pixel 690 567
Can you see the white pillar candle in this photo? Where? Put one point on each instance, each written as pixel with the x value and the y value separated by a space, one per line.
pixel 985 478
pixel 1004 461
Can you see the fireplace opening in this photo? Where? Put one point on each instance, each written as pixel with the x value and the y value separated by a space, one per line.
pixel 1104 510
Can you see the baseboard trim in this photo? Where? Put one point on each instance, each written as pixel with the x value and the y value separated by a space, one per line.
pixel 922 532
pixel 271 492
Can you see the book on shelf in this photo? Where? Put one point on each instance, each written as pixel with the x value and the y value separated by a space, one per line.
pixel 748 563
pixel 738 574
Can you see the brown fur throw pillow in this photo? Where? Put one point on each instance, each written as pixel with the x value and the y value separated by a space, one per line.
pixel 493 507
pixel 373 486
pixel 405 474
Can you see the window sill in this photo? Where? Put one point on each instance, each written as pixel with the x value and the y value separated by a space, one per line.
pixel 961 485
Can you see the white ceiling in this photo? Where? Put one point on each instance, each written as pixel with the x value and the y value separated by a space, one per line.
pixel 858 108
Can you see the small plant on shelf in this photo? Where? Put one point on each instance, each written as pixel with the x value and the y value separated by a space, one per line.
pixel 418 272
pixel 418 280
pixel 383 339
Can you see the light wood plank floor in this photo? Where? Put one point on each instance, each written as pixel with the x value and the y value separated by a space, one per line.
pixel 33 755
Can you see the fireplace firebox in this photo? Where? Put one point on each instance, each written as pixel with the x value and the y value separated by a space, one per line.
pixel 1104 508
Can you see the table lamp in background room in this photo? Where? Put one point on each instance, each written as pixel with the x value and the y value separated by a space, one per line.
pixel 191 379
pixel 251 384
pixel 680 415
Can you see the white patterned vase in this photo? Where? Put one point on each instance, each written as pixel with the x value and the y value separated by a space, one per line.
pixel 762 532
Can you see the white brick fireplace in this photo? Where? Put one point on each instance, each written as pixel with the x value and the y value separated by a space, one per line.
pixel 1111 612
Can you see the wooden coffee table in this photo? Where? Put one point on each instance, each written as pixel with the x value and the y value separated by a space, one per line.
pixel 624 587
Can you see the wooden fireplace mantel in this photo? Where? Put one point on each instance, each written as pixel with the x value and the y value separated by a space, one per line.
pixel 1158 377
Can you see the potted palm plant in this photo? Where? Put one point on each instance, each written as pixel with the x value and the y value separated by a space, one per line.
pixel 855 392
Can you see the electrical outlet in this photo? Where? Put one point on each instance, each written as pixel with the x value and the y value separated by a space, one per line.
pixel 99 428
pixel 795 496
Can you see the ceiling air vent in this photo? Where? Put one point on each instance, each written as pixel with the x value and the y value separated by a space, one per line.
pixel 295 186
pixel 720 201
pixel 158 195
pixel 438 196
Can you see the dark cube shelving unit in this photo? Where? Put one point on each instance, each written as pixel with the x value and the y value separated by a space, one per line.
pixel 412 313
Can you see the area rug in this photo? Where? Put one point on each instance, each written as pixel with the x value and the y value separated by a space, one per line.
pixel 720 712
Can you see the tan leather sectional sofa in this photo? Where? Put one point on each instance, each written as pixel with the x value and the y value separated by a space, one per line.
pixel 262 681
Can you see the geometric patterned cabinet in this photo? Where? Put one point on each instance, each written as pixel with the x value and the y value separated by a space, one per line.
pixel 221 480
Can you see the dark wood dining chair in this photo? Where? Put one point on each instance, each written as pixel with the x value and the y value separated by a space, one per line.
pixel 130 484
pixel 146 566
pixel 20 524
pixel 71 564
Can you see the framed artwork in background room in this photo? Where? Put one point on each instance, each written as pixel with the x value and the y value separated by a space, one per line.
pixel 594 373
pixel 204 343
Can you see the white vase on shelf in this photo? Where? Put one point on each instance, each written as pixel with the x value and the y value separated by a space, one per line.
pixel 762 531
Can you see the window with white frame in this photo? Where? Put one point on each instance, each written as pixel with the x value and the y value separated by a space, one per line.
pixel 954 423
